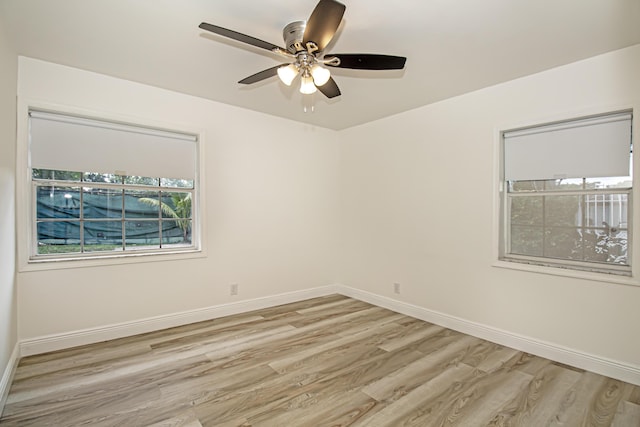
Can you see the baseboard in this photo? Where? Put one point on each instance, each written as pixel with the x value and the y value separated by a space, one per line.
pixel 61 341
pixel 600 365
pixel 7 376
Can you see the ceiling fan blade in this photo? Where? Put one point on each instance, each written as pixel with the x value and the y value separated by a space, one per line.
pixel 366 61
pixel 239 37
pixel 264 74
pixel 323 23
pixel 329 89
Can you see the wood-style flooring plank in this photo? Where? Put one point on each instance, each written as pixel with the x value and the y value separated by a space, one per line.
pixel 592 401
pixel 329 361
pixel 403 407
pixel 626 414
pixel 360 364
pixel 539 401
pixel 411 376
pixel 416 332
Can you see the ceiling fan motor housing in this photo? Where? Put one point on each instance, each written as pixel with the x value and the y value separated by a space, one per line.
pixel 293 34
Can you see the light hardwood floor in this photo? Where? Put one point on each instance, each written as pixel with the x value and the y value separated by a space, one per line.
pixel 330 361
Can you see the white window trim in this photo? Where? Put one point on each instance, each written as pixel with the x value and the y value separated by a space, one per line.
pixel 24 202
pixel 499 193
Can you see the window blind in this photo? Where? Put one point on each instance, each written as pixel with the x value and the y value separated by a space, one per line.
pixel 71 143
pixel 586 148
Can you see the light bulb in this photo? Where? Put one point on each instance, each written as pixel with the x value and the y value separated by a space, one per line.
pixel 320 75
pixel 287 73
pixel 307 87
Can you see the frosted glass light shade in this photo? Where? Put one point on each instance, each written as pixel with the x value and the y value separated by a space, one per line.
pixel 287 73
pixel 307 86
pixel 320 75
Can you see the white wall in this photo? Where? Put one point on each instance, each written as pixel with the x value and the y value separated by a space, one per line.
pixel 408 199
pixel 8 306
pixel 419 209
pixel 270 190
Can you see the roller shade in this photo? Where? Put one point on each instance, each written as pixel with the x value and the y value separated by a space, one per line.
pixel 70 143
pixel 586 148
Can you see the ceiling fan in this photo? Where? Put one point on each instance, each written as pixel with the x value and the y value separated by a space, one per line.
pixel 306 41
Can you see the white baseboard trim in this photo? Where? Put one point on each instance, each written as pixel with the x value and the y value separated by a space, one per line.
pixel 65 340
pixel 7 376
pixel 600 365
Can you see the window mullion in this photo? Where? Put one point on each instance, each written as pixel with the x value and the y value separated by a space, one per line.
pixel 583 225
pixel 81 219
pixel 123 229
pixel 544 225
pixel 160 193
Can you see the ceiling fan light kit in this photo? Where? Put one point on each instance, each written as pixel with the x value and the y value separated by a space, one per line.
pixel 287 73
pixel 320 75
pixel 307 87
pixel 306 41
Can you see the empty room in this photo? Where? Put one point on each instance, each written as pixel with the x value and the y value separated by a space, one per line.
pixel 319 213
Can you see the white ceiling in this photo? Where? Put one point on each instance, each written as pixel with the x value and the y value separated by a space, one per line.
pixel 452 46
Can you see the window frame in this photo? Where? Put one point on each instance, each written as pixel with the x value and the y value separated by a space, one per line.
pixel 587 270
pixel 25 209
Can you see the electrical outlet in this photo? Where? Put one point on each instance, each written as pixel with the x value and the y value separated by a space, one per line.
pixel 396 288
pixel 233 289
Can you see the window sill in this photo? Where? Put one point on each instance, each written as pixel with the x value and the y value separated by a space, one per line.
pixel 100 261
pixel 566 272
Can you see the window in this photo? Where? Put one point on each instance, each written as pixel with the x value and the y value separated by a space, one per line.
pixel 104 189
pixel 567 194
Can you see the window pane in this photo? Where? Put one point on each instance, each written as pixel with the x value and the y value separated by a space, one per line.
pixel 56 237
pixel 563 243
pixel 176 205
pixel 524 186
pixel 56 175
pixel 102 177
pixel 526 240
pixel 563 184
pixel 58 202
pixel 141 204
pixel 561 233
pixel 179 183
pixel 102 203
pixel 102 236
pixel 141 180
pixel 606 246
pixel 606 210
pixel 611 182
pixel 176 232
pixel 562 210
pixel 526 210
pixel 142 234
